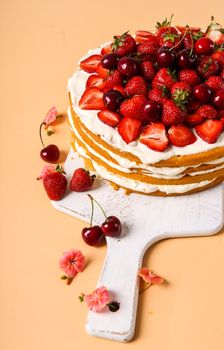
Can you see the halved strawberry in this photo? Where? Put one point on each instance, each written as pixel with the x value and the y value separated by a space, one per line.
pixel 181 136
pixel 142 35
pixel 215 33
pixel 129 129
pixel 193 119
pixel 191 29
pixel 119 88
pixel 92 99
pixel 108 117
pixel 94 81
pixel 102 72
pixel 90 64
pixel 155 137
pixel 210 130
pixel 106 49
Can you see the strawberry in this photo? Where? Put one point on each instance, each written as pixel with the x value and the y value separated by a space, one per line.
pixel 143 35
pixel 207 111
pixel 180 93
pixel 189 76
pixel 55 183
pixel 169 37
pixel 210 130
pixel 108 117
pixel 112 79
pixel 148 49
pixel 94 81
pixel 193 119
pixel 157 94
pixel 215 83
pixel 81 180
pixel 124 44
pixel 119 88
pixel 164 78
pixel 90 64
pixel 215 32
pixel 106 49
pixel 147 70
pixel 92 99
pixel 180 135
pixel 129 129
pixel 207 67
pixel 136 86
pixel 172 114
pixel 102 72
pixel 155 137
pixel 219 56
pixel 133 107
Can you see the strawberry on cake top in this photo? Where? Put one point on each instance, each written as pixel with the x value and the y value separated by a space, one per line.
pixel 149 109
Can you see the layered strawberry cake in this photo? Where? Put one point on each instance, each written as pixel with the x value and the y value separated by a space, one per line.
pixel 147 111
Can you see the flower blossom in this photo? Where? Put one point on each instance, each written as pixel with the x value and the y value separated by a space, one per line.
pixel 149 277
pixel 72 262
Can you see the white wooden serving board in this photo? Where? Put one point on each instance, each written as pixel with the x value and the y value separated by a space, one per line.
pixel 145 220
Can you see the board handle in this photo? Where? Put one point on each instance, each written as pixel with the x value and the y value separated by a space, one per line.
pixel 120 277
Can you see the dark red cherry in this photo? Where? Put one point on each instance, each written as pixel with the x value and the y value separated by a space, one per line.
pixel 186 59
pixel 128 66
pixel 165 58
pixel 92 235
pixel 50 153
pixel 204 46
pixel 111 227
pixel 113 99
pixel 218 99
pixel 110 60
pixel 202 92
pixel 152 110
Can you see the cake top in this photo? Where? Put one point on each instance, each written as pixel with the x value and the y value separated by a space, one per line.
pixel 162 88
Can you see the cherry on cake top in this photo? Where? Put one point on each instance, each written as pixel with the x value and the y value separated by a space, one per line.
pixel 161 88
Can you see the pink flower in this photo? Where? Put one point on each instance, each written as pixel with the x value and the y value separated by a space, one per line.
pixel 47 169
pixel 149 277
pixel 98 299
pixel 50 117
pixel 72 262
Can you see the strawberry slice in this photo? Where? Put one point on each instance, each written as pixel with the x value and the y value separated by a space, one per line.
pixel 142 36
pixel 181 136
pixel 210 130
pixel 155 137
pixel 129 129
pixel 92 99
pixel 108 117
pixel 106 49
pixel 90 64
pixel 102 72
pixel 94 81
pixel 193 119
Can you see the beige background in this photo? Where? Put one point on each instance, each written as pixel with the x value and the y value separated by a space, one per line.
pixel 41 42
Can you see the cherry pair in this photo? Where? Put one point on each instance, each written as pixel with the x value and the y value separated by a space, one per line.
pixel 94 235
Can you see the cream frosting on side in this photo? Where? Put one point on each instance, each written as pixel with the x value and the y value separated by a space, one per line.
pixel 76 86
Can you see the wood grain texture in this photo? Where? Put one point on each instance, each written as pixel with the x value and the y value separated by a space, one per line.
pixel 146 220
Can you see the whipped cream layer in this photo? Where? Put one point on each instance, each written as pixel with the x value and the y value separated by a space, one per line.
pixel 76 87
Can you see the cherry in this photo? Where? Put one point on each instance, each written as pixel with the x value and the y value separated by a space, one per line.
pixel 110 60
pixel 92 235
pixel 152 110
pixel 111 227
pixel 218 99
pixel 128 66
pixel 165 57
pixel 50 153
pixel 113 99
pixel 186 59
pixel 202 92
pixel 204 46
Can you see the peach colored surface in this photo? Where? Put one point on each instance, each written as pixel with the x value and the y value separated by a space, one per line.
pixel 41 42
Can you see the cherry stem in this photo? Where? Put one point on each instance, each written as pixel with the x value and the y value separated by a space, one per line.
pixel 92 209
pixel 100 206
pixel 40 133
pixel 185 33
pixel 192 43
pixel 144 288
